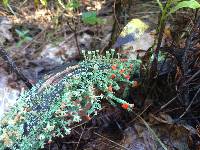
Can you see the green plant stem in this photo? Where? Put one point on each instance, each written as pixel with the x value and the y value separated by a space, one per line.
pixel 158 42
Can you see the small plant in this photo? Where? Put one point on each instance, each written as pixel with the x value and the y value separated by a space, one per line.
pixel 52 107
pixel 23 35
pixel 172 6
pixel 91 18
pixel 74 4
pixel 5 2
pixel 37 2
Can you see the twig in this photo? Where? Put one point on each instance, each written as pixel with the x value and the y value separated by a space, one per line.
pixel 114 27
pixel 71 36
pixel 76 40
pixel 13 66
pixel 70 142
pixel 110 140
pixel 75 35
pixel 115 16
pixel 111 39
pixel 185 63
pixel 171 110
pixel 80 137
pixel 70 26
pixel 192 77
pixel 169 102
pixel 190 104
pixel 140 114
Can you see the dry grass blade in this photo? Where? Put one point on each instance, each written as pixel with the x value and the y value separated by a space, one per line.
pixel 110 140
pixel 154 134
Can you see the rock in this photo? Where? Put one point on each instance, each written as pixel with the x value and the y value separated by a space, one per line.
pixel 5 26
pixel 51 52
pixel 8 95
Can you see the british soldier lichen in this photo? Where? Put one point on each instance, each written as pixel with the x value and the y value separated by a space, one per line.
pixel 53 106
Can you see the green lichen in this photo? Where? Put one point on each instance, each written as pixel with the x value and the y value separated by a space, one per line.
pixel 52 107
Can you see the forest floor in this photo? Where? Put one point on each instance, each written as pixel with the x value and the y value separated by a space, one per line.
pixel 43 39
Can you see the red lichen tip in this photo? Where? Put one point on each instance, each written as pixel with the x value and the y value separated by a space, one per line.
pixel 127 77
pixel 121 71
pixel 113 76
pixel 110 88
pixel 114 67
pixel 125 106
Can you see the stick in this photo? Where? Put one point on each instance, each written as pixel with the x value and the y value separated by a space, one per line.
pixel 13 66
pixel 80 138
pixel 189 106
